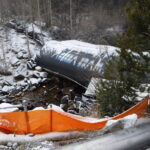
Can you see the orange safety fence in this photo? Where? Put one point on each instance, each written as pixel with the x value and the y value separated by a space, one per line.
pixel 44 121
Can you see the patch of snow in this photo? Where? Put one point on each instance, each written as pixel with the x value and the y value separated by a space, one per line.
pixel 6 107
pixel 7 89
pixel 54 107
pixel 38 108
pixel 147 53
pixel 25 138
pixel 91 89
pixel 34 81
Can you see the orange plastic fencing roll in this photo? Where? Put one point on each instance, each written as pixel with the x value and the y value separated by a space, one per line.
pixel 44 121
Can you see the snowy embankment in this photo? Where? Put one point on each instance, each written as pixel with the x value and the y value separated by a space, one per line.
pixel 14 57
pixel 23 74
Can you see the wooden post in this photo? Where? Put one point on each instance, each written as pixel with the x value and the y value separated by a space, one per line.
pixel 51 117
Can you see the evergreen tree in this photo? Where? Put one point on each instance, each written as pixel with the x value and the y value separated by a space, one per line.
pixel 126 73
pixel 134 65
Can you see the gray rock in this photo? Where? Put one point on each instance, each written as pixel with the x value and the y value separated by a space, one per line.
pixel 20 55
pixel 15 62
pixel 23 83
pixel 83 111
pixel 9 144
pixel 26 88
pixel 31 64
pixel 6 83
pixel 14 51
pixel 119 125
pixel 12 24
pixel 2 147
pixel 19 76
pixel 65 99
pixel 23 51
pixel 20 73
pixel 25 56
pixel 32 88
pixel 44 80
pixel 15 145
pixel 43 74
pixel 7 89
pixel 72 112
pixel 36 74
pixel 19 94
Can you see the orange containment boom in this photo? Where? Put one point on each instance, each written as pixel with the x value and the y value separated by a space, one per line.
pixel 44 121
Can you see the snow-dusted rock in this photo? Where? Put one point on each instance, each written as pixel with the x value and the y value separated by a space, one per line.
pixel 38 68
pixel 14 146
pixel 7 89
pixel 3 147
pixel 9 144
pixel 15 62
pixel 72 112
pixel 65 99
pixel 43 74
pixel 12 24
pixel 34 81
pixel 4 82
pixel 23 83
pixel 32 88
pixel 19 76
pixel 21 72
pixel 126 122
pixel 38 74
pixel 44 80
pixel 33 28
pixel 20 55
pixel 31 65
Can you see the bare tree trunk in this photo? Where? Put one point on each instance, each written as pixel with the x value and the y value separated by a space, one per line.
pixel 39 18
pixel 26 33
pixel 50 5
pixel 32 17
pixel 3 50
pixel 71 18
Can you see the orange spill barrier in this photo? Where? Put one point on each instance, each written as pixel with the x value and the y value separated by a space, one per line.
pixel 44 121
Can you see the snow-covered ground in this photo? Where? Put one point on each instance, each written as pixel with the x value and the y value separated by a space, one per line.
pixel 14 55
pixel 91 90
